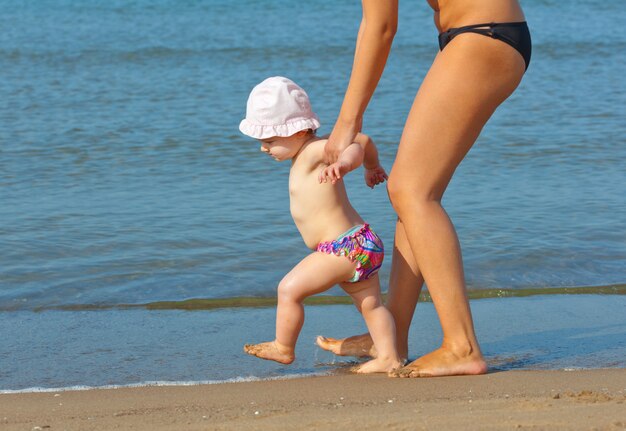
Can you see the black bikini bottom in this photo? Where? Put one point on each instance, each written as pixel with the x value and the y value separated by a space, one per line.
pixel 515 34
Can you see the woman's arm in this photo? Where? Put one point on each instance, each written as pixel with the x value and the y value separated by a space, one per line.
pixel 378 27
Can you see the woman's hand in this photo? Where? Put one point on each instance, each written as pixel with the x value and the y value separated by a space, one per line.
pixel 375 176
pixel 334 172
pixel 342 136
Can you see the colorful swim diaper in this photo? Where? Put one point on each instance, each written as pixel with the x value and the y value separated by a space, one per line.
pixel 361 245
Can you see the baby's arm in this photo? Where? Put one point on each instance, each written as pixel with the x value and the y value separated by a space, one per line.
pixel 374 172
pixel 362 151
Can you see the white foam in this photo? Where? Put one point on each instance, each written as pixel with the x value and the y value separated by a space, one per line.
pixel 159 383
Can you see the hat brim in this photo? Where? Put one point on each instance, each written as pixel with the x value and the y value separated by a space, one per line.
pixel 262 131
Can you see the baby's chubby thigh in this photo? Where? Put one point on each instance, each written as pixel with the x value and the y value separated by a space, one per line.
pixel 316 273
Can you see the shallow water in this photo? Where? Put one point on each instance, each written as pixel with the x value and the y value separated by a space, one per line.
pixel 55 349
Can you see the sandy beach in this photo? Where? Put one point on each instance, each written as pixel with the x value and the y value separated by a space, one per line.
pixel 577 400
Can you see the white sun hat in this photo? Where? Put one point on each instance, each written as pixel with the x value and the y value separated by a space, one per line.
pixel 278 107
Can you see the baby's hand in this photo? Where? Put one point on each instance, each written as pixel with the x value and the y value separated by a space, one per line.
pixel 333 172
pixel 375 176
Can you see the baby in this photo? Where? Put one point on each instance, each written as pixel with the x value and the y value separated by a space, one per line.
pixel 346 251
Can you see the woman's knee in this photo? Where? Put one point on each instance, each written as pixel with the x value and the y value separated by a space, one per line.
pixel 410 198
pixel 395 191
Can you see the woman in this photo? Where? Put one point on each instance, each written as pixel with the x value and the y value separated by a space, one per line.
pixel 478 67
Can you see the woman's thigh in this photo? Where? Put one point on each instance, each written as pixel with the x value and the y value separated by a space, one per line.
pixel 465 84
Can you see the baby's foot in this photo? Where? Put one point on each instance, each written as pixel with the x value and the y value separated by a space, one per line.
pixel 359 345
pixel 378 365
pixel 270 351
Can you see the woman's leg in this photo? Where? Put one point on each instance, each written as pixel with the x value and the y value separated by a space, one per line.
pixel 466 83
pixel 405 284
pixel 316 273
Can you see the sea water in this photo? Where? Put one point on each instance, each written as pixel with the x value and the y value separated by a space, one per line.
pixel 124 179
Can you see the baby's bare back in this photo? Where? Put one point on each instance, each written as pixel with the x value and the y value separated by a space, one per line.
pixel 321 211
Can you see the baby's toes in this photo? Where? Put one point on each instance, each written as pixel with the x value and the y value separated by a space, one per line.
pixel 250 349
pixel 399 372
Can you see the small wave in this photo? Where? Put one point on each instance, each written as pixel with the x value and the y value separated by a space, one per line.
pixel 263 302
pixel 160 53
pixel 267 301
pixel 155 53
pixel 240 379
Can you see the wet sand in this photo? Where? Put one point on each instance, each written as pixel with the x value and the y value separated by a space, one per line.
pixel 577 400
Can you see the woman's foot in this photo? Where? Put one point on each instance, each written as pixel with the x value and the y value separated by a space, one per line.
pixel 359 346
pixel 443 362
pixel 270 351
pixel 377 365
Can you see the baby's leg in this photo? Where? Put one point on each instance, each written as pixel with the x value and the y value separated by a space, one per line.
pixel 405 285
pixel 316 273
pixel 367 298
